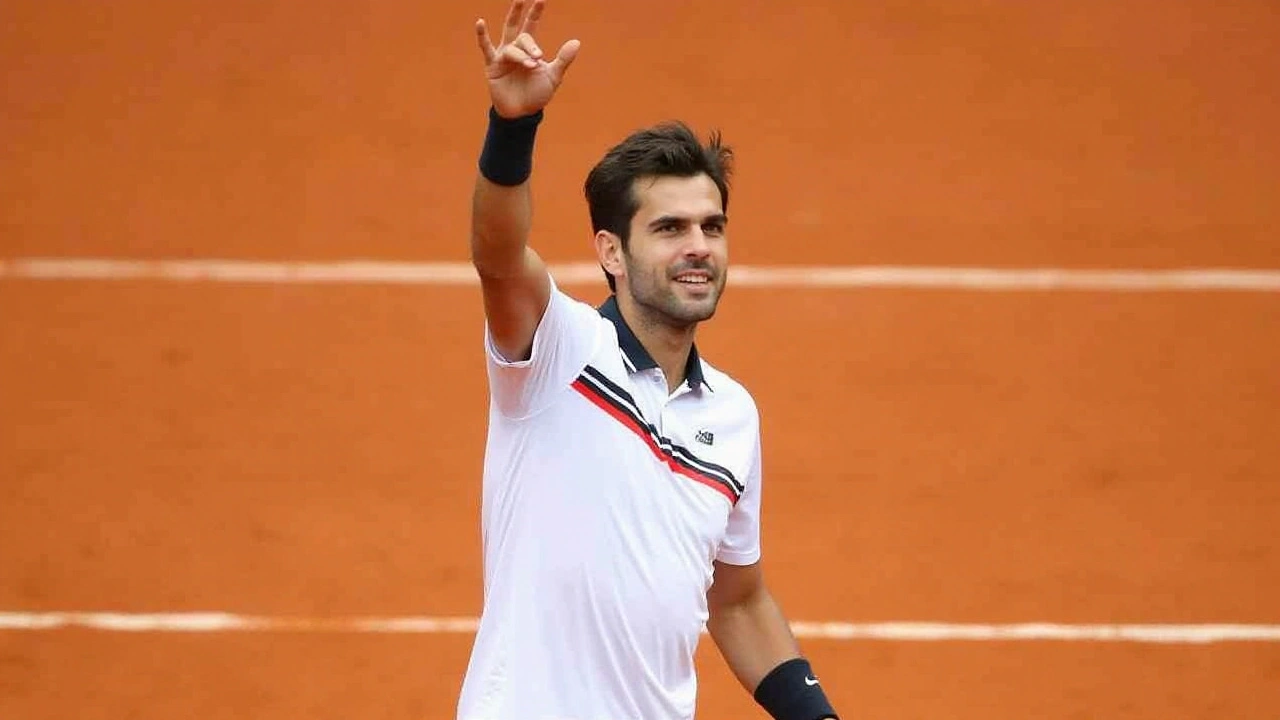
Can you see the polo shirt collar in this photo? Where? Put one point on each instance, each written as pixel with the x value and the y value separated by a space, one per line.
pixel 638 357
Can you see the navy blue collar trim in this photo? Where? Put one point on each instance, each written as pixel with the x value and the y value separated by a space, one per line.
pixel 640 358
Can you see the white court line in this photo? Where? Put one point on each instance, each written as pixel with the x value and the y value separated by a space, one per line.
pixel 461 273
pixel 219 622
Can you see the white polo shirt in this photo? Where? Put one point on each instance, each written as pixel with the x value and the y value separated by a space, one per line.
pixel 605 500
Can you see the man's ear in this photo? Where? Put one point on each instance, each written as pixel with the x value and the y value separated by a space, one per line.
pixel 609 252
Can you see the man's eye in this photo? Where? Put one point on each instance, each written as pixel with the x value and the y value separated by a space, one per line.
pixel 713 228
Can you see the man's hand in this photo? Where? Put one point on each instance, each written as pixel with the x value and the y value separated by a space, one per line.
pixel 521 80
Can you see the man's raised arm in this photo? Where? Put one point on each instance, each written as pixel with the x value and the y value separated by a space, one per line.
pixel 513 278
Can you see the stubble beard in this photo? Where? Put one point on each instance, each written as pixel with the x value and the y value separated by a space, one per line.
pixel 657 298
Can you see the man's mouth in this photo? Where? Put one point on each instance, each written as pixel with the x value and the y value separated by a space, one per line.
pixel 693 277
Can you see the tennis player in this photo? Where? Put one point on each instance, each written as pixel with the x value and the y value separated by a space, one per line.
pixel 622 473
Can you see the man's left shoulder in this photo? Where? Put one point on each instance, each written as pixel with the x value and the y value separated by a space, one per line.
pixel 728 390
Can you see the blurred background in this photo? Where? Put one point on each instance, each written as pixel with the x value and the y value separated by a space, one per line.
pixel 189 429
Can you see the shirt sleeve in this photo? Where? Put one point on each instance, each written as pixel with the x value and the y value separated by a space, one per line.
pixel 563 343
pixel 741 544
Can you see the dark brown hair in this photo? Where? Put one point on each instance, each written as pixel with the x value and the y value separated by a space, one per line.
pixel 666 149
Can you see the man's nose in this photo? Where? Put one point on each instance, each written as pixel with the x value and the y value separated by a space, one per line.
pixel 698 244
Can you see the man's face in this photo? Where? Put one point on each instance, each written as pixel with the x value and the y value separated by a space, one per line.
pixel 677 257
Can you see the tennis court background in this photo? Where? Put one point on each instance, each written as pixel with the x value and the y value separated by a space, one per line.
pixel 949 454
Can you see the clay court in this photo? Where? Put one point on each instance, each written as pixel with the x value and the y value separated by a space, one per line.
pixel 308 452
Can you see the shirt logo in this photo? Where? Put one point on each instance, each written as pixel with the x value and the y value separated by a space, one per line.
pixel 705 437
pixel 811 681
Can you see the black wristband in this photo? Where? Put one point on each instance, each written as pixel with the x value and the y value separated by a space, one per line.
pixel 791 692
pixel 507 155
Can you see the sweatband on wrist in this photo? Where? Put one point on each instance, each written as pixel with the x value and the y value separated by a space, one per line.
pixel 791 692
pixel 507 155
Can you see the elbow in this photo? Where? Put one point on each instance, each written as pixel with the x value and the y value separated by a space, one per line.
pixel 484 254
pixel 490 265
pixel 495 256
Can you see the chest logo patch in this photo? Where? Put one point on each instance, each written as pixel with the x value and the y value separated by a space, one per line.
pixel 617 402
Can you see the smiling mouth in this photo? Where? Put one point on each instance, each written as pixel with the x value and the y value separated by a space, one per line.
pixel 693 279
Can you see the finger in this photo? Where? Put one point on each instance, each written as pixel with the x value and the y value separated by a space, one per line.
pixel 526 43
pixel 535 14
pixel 482 39
pixel 511 28
pixel 565 57
pixel 516 56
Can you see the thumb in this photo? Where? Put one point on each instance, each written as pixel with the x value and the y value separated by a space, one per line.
pixel 565 56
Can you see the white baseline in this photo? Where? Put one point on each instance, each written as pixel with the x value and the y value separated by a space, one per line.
pixel 222 622
pixel 823 276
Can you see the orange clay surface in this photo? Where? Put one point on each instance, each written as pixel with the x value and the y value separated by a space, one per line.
pixel 930 455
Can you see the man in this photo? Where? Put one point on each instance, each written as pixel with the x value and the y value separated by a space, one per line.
pixel 622 479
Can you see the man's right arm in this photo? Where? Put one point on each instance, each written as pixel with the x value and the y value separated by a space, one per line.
pixel 513 279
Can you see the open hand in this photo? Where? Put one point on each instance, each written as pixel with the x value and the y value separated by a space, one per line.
pixel 521 80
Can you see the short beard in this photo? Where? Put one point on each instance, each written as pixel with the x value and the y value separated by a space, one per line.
pixel 658 304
